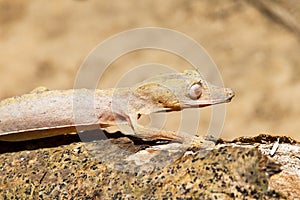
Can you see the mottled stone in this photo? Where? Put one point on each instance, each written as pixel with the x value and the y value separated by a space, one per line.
pixel 101 170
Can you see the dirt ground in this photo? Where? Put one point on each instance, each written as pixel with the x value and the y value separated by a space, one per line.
pixel 255 46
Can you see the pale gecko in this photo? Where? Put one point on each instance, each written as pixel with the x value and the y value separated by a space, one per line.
pixel 44 113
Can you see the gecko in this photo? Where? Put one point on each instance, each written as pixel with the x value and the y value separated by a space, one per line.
pixel 45 113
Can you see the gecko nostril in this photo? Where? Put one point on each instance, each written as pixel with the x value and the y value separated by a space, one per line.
pixel 229 92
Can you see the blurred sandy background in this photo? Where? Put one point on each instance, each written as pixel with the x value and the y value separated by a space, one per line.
pixel 256 47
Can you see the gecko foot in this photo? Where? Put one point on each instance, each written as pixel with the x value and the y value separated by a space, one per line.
pixel 199 142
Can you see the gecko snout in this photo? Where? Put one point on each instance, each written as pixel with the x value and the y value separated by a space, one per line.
pixel 230 93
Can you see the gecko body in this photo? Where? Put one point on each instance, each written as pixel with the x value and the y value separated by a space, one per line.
pixel 44 113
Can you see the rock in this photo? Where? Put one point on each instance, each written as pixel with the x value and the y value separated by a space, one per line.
pixel 238 169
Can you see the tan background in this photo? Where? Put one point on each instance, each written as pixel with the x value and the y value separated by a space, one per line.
pixel 257 52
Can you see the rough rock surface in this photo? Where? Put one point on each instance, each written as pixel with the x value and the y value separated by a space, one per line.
pixel 112 169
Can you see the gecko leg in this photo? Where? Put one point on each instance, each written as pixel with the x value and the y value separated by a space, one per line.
pixel 148 133
pixel 187 140
pixel 156 134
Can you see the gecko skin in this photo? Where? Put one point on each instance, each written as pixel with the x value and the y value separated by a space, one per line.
pixel 44 113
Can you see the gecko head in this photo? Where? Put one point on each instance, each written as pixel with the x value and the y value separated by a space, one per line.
pixel 176 91
pixel 200 93
pixel 203 94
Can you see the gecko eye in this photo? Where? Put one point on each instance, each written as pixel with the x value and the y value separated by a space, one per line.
pixel 195 91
